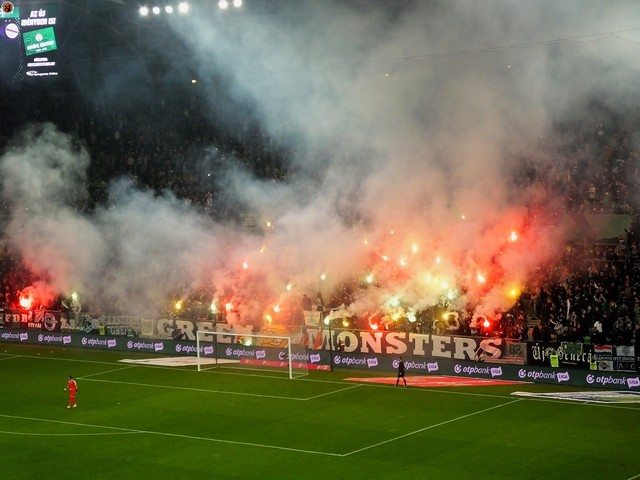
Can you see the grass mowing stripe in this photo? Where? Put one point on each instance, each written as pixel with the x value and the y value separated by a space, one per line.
pixel 362 418
pixel 219 371
pixel 177 435
pixel 216 370
pixel 313 380
pixel 462 417
pixel 191 389
pixel 40 357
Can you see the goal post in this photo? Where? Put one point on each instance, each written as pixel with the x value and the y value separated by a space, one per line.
pixel 279 353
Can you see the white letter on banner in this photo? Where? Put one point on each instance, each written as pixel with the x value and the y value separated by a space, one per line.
pixel 464 345
pixel 439 344
pixel 419 341
pixel 492 347
pixel 369 341
pixel 350 341
pixel 396 343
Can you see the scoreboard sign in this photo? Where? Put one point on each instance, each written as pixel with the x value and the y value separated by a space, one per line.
pixel 28 45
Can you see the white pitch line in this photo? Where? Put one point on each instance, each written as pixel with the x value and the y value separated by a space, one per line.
pixel 68 434
pixel 177 435
pixel 33 419
pixel 85 377
pixel 9 358
pixel 582 404
pixel 215 371
pixel 462 417
pixel 171 387
pixel 248 444
pixel 634 477
pixel 332 392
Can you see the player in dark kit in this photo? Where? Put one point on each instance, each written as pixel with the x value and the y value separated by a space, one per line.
pixel 401 372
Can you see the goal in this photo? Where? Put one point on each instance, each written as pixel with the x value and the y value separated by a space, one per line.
pixel 277 353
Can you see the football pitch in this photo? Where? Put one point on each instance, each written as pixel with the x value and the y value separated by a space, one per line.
pixel 144 422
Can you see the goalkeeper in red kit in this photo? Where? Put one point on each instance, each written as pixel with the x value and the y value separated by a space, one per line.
pixel 72 387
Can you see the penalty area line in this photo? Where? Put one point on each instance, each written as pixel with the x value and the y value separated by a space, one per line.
pixel 462 417
pixel 333 392
pixel 62 422
pixel 86 377
pixel 9 358
pixel 176 435
pixel 191 389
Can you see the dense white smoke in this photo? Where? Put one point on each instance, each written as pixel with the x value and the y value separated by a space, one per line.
pixel 405 124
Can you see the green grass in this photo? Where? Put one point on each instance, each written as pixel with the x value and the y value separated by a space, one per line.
pixel 156 422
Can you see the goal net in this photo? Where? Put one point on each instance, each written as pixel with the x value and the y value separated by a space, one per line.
pixel 276 353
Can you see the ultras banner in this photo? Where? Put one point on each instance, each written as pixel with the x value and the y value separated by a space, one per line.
pixel 582 355
pixel 46 320
pixel 478 349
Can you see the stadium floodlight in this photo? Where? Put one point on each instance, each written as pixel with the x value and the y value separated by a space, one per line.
pixel 168 9
pixel 144 11
pixel 272 353
pixel 183 7
pixel 156 10
pixel 223 4
pixel 237 3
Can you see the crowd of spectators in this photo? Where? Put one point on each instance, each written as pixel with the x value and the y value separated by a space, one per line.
pixel 590 161
pixel 598 300
pixel 173 142
pixel 596 171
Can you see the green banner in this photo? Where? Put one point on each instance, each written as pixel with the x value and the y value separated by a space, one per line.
pixel 39 41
